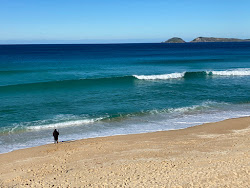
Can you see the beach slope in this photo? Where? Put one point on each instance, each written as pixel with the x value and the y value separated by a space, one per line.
pixel 208 155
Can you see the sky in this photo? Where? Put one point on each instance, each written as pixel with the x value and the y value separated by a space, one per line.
pixel 108 21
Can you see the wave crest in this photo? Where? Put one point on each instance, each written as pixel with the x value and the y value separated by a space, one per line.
pixel 233 72
pixel 60 121
pixel 63 124
pixel 160 77
pixel 64 121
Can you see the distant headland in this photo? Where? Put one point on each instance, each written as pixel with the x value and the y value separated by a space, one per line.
pixel 175 40
pixel 206 39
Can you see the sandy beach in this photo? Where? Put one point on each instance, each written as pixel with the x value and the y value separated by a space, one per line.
pixel 208 155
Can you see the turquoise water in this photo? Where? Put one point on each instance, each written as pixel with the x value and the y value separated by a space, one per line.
pixel 101 90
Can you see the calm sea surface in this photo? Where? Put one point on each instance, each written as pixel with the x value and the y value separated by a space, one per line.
pixel 109 89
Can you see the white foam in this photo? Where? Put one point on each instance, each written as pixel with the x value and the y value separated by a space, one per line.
pixel 234 72
pixel 64 124
pixel 138 125
pixel 160 77
pixel 193 108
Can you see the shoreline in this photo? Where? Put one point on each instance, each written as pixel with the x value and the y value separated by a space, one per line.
pixel 215 153
pixel 104 136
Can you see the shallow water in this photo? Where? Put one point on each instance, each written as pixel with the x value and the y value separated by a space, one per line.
pixel 101 90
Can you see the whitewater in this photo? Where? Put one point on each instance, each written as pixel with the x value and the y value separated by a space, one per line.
pixel 234 72
pixel 89 91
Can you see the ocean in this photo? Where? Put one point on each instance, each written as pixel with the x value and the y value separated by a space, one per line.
pixel 95 90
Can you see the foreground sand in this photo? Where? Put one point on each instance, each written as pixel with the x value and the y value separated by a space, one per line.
pixel 209 155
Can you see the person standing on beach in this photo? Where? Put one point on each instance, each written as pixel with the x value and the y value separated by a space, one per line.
pixel 56 134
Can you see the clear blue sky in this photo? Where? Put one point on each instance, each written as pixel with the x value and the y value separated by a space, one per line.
pixel 97 21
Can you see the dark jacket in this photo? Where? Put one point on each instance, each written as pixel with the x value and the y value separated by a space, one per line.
pixel 55 134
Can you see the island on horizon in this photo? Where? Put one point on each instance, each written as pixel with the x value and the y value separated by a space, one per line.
pixel 206 39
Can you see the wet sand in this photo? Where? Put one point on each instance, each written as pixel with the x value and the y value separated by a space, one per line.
pixel 208 155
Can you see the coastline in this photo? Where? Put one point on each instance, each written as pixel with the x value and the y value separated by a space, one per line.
pixel 211 154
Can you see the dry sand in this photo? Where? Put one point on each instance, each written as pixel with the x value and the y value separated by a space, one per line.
pixel 209 155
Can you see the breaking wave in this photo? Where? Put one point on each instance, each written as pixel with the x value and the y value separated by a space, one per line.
pixel 234 72
pixel 118 81
pixel 64 124
pixel 64 121
pixel 160 77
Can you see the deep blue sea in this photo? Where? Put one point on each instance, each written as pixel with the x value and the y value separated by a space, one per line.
pixel 98 90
